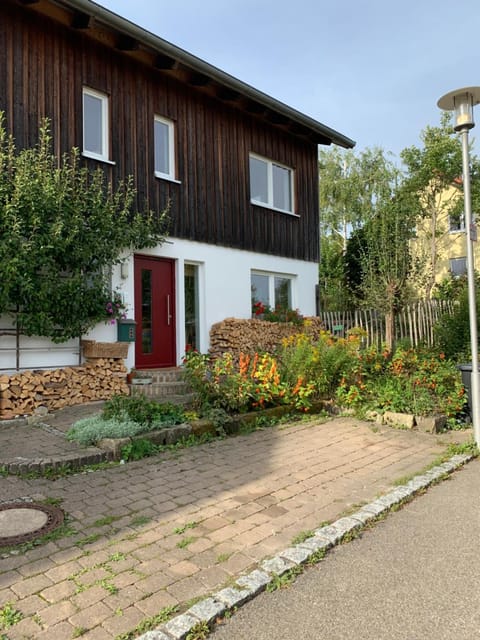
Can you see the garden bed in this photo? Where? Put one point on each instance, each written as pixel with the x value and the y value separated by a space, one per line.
pixel 172 435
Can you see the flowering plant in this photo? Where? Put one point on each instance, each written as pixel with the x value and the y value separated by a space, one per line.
pixel 278 314
pixel 116 309
pixel 258 308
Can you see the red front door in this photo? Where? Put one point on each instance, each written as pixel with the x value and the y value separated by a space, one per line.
pixel 155 312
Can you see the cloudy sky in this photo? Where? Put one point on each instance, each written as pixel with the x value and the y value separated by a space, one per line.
pixel 371 69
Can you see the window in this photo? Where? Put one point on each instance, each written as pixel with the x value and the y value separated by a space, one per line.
pixel 95 125
pixel 164 148
pixel 271 184
pixel 191 306
pixel 458 266
pixel 456 222
pixel 271 289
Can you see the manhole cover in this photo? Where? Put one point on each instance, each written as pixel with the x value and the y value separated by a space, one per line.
pixel 25 521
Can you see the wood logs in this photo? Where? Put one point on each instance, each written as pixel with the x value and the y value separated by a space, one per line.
pixel 98 379
pixel 247 336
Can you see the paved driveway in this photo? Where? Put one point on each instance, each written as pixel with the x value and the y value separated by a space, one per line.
pixel 166 530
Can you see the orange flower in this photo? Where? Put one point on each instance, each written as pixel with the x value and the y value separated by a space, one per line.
pixel 297 387
pixel 243 364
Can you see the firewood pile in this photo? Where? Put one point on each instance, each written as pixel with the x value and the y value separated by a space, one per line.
pixel 248 336
pixel 98 379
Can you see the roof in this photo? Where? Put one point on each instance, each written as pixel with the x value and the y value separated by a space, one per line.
pixel 123 35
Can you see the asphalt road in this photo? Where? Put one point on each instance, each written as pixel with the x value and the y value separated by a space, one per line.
pixel 413 576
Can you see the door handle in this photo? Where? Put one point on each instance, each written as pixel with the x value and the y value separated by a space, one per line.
pixel 169 315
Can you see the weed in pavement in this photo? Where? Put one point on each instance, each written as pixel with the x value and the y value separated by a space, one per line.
pixel 302 536
pixel 138 521
pixel 199 631
pixel 88 540
pixel 9 616
pixel 285 580
pixel 184 542
pixel 149 623
pixel 189 525
pixel 223 557
pixel 105 521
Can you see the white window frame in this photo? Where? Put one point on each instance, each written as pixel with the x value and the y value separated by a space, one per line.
pixel 457 273
pixel 461 225
pixel 171 174
pixel 105 126
pixel 270 204
pixel 271 275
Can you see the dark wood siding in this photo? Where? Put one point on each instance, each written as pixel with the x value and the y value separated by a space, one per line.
pixel 43 67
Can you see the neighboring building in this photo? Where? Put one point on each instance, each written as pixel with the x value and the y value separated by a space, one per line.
pixel 440 243
pixel 238 168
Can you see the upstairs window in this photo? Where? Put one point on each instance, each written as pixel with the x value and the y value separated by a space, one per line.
pixel 95 125
pixel 271 184
pixel 456 222
pixel 458 267
pixel 164 141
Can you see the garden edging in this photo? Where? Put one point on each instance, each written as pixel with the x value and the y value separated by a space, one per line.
pixel 172 435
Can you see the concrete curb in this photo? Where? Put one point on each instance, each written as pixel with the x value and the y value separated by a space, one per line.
pixel 248 586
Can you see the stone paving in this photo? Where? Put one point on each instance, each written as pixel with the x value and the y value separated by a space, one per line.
pixel 168 530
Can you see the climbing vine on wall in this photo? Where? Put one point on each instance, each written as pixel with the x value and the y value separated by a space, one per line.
pixel 62 227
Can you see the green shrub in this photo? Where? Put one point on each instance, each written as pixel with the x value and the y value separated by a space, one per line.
pixel 125 416
pixel 140 409
pixel 138 449
pixel 90 430
pixel 452 332
pixel 321 363
pixel 411 381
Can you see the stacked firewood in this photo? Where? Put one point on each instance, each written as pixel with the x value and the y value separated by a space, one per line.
pixel 98 379
pixel 247 336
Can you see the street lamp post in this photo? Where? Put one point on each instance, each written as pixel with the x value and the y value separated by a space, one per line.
pixel 462 101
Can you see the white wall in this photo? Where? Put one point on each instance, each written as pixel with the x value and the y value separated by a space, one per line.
pixel 224 288
pixel 224 291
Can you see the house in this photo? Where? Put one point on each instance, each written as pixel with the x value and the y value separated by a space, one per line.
pixel 237 168
pixel 440 243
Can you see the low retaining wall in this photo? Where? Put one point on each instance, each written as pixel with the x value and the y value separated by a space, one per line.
pixel 98 379
pixel 247 336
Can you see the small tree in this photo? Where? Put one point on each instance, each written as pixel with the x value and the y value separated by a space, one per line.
pixel 386 264
pixel 352 187
pixel 61 230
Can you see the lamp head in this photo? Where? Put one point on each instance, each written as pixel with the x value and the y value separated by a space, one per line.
pixel 461 101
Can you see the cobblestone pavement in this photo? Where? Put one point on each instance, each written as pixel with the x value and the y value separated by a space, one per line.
pixel 164 531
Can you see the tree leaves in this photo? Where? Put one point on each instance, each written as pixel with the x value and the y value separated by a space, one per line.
pixel 62 227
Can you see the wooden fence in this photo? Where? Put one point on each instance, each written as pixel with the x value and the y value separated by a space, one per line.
pixel 416 322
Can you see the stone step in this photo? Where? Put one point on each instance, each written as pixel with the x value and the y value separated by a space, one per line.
pixel 158 376
pixel 162 385
pixel 152 393
pixel 160 388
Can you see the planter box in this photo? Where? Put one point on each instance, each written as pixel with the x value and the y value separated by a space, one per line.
pixel 93 349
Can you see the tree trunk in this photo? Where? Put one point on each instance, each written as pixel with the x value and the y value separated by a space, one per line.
pixel 433 255
pixel 390 330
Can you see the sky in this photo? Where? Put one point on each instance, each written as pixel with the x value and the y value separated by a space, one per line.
pixel 371 69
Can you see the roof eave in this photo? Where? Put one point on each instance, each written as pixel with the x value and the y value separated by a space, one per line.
pixel 198 65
